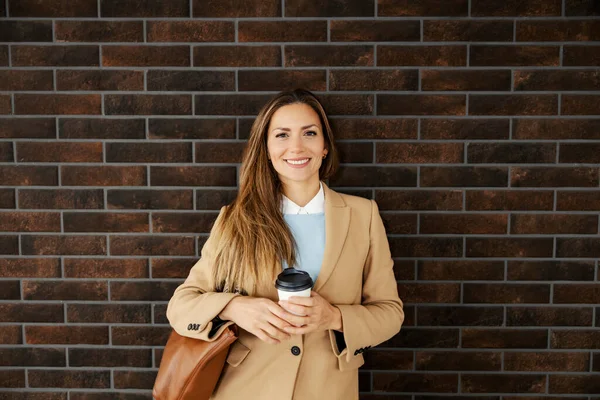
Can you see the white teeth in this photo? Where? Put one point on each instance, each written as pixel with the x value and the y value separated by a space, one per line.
pixel 299 162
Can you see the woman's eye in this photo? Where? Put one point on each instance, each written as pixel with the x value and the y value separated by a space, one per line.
pixel 311 133
pixel 279 135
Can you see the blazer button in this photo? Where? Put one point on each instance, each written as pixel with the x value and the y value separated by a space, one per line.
pixel 296 350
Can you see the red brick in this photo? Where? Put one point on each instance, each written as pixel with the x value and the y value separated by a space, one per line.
pixel 150 199
pixel 53 9
pixel 440 56
pixel 419 153
pixel 330 8
pixel 66 334
pixel 465 80
pixel 581 56
pixel 151 246
pixel 191 31
pixel 99 31
pixel 146 56
pixel 237 56
pixel 63 245
pixel 19 80
pixel 214 199
pixel 555 128
pixel 282 31
pixel 554 177
pixel 236 8
pixel 375 31
pixel 578 201
pixel 509 200
pixel 71 152
pixel 28 312
pixel 500 55
pixel 464 129
pixel 105 222
pixel 135 379
pixel 580 105
pixel 101 128
pixel 193 176
pixel 521 104
pixel 176 268
pixel 278 80
pixel 227 152
pixel 30 268
pixel 103 176
pixel 6 152
pixel 419 104
pixel 385 359
pixel 426 8
pixel 24 175
pixel 424 338
pixel 575 339
pixel 60 199
pixel 328 55
pixel 100 80
pixel 581 384
pixel 5 105
pixel 65 104
pixel 55 56
pixel 558 31
pixel 106 268
pixel 140 336
pixel 149 152
pixel 29 222
pixel 69 379
pixel 577 293
pixel 10 334
pixel 109 313
pixel 196 128
pixel 516 8
pixel 467 31
pixel 509 247
pixel 146 8
pixel 380 128
pixel 372 80
pixel 12 379
pixel 24 128
pixel 553 224
pixel 64 290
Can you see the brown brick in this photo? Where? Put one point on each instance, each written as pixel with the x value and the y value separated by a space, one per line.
pixel 521 104
pixel 375 31
pixel 504 338
pixel 9 244
pixel 403 224
pixel 373 80
pixel 23 128
pixel 465 80
pixel 439 56
pixel 61 290
pixel 458 361
pixel 191 31
pixel 558 30
pixel 29 268
pixel 151 246
pixel 509 55
pixel 183 222
pixel 63 245
pixel 19 80
pixel 463 223
pixel 53 9
pixel 580 105
pixel 72 152
pixel 99 31
pixel 103 176
pixel 418 200
pixel 415 382
pixel 236 8
pixel 148 152
pixel 328 55
pixel 211 199
pixel 110 396
pixel 55 56
pixel 577 293
pixel 109 313
pixel 581 56
pixel 419 104
pixel 12 379
pixel 278 80
pixel 575 339
pixel 140 336
pixel 467 31
pixel 150 199
pixel 94 357
pixel 145 8
pixel 237 56
pixel 329 8
pixel 66 334
pixel 380 128
pixel 557 80
pixel 176 268
pixel 460 270
pixel 26 31
pixel 230 104
pixel 25 175
pixel 424 338
pixel 523 153
pixel 146 56
pixel 197 128
pixel 22 312
pixel 226 152
pixel 10 334
pixel 193 176
pixel 426 247
pixel 549 362
pixel 505 383
pixel 516 8
pixel 6 152
pixel 4 55
pixel 105 222
pixel 582 384
pixel 553 224
pixel 578 201
pixel 61 199
pixel 101 128
pixel 576 247
pixel 385 359
pixel 355 152
pixel 428 8
pixel 464 176
pixel 509 247
pixel 347 104
pixel 134 379
pixel 426 153
pixel 10 290
pixel 7 198
pixel 549 316
pixel 148 104
pixel 581 8
pixel 30 222
pixel 502 293
pixel 460 316
pixel 464 129
pixel 375 176
pixel 105 268
pixel 69 379
pixel 554 177
pixel 579 153
pixel 551 270
pixel 5 105
pixel 282 31
pixel 191 80
pixel 64 104
pixel 100 80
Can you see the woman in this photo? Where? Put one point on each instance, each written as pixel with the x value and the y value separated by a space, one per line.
pixel 305 348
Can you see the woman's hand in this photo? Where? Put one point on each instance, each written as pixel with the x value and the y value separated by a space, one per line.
pixel 262 317
pixel 319 315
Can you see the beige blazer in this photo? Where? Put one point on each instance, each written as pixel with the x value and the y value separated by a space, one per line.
pixel 356 276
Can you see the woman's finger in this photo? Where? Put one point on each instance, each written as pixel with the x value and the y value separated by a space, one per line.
pixel 292 319
pixel 265 337
pixel 295 308
pixel 293 330
pixel 274 332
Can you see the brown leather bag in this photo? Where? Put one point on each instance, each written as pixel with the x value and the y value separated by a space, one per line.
pixel 190 368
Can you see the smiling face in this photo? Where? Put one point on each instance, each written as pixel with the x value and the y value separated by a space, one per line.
pixel 296 144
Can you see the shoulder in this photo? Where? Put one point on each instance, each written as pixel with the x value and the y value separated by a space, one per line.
pixel 358 205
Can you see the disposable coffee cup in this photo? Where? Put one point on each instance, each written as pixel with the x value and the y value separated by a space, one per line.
pixel 293 282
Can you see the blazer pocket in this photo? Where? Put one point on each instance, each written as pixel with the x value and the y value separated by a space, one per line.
pixel 237 353
pixel 354 363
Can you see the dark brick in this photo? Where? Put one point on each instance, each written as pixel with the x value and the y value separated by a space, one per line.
pixel 103 176
pixel 24 175
pixel 386 359
pixel 328 55
pixel 105 222
pixel 575 339
pixel 516 8
pixel 460 270
pixel 418 200
pixel 69 379
pixel 375 31
pixel 504 338
pixel 426 247
pixel 522 153
pixel 373 80
pixel 437 56
pixel 5 105
pixel 146 56
pixel 581 56
pixel 549 316
pixel 464 129
pixel 505 383
pixel 66 334
pixel 375 176
pixel 23 128
pixel 63 245
pixel 226 152
pixel 99 31
pixel 406 153
pixel 557 80
pixel 502 293
pixel 465 80
pixel 150 199
pixel 30 222
pixel 576 293
pixel 193 176
pixel 278 80
pixel 414 382
pixel 148 104
pixel 230 104
pixel 4 55
pixel 551 270
pixel 148 152
pixel 12 379
pixel 191 80
pixel 151 246
pixel 464 223
pixel 32 357
pixel 329 8
pixel 347 104
pixel 52 9
pixel 110 396
pixel 580 105
pixel 19 80
pixel 355 152
pixel 380 128
pixel 101 128
pixel 424 338
pixel 509 247
pixel 7 198
pixel 558 31
pixel 10 334
pixel 581 8
pixel 55 56
pixel 467 31
pixel 197 128
pixel 464 176
pixel 100 80
pixel 500 55
pixel 26 31
pixel 61 199
pixel 419 104
pixel 105 268
pixel 553 224
pixel 460 316
pixel 236 8
pixel 554 177
pixel 10 290
pixel 29 268
pixel 144 8
pixel 237 56
pixel 6 152
pixel 21 312
pixel 140 336
pixel 9 244
pixel 109 313
pixel 94 357
pixel 71 152
pixel 135 379
pixel 191 31
pixel 578 201
pixel 282 31
pixel 160 314
pixel 214 199
pixel 581 384
pixel 521 104
pixel 547 362
pixel 458 361
pixel 579 153
pixel 426 8
pixel 399 223
pixel 183 222
pixel 172 268
pixel 64 104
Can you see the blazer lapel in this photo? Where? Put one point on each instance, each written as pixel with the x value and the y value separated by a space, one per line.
pixel 337 222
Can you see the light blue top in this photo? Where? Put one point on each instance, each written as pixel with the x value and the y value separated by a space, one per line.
pixel 309 232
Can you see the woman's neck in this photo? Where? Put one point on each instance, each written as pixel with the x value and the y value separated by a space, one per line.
pixel 301 192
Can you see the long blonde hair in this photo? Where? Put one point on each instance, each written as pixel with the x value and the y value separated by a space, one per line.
pixel 254 238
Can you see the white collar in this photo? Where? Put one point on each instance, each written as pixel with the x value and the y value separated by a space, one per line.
pixel 315 206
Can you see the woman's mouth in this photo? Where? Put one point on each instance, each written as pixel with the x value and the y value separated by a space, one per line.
pixel 300 162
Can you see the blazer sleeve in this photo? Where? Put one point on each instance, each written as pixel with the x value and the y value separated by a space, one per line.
pixel 380 314
pixel 193 310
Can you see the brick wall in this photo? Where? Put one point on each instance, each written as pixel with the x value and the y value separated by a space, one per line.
pixel 473 123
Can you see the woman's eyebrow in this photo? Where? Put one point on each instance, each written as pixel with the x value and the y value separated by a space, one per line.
pixel 288 129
